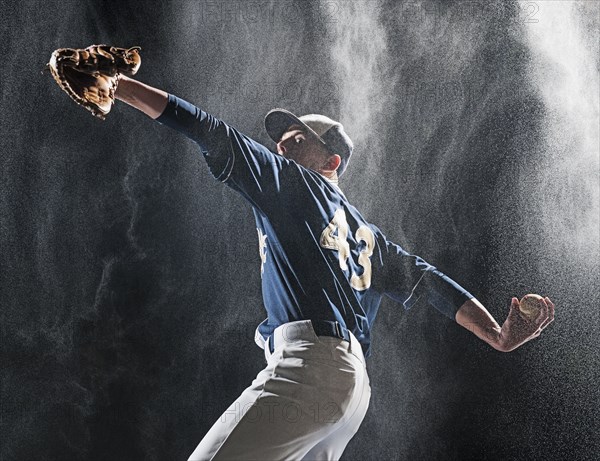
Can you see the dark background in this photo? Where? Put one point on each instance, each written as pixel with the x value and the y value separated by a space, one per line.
pixel 129 281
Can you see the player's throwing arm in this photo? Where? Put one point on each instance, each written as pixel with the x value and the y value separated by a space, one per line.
pixel 526 320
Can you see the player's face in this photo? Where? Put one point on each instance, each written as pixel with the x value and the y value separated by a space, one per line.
pixel 302 147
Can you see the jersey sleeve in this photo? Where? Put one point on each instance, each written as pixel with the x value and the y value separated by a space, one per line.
pixel 409 279
pixel 232 157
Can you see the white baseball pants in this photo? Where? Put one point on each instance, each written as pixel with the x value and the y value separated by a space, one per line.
pixel 306 404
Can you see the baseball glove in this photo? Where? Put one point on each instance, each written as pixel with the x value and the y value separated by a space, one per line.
pixel 90 76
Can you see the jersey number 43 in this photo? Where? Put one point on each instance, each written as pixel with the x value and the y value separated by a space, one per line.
pixel 338 241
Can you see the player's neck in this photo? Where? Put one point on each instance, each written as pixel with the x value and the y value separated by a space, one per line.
pixel 330 176
pixel 332 179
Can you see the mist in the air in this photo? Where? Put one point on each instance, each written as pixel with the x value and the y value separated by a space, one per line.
pixel 130 278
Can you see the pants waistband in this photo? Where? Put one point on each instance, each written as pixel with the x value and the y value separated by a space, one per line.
pixel 310 330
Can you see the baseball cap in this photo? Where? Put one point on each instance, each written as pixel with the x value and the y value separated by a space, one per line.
pixel 328 131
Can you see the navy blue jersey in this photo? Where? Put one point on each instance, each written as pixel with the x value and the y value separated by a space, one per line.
pixel 320 259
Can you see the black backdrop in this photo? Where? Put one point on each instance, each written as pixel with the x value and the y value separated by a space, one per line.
pixel 129 283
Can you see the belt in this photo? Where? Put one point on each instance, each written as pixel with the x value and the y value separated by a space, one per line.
pixel 321 328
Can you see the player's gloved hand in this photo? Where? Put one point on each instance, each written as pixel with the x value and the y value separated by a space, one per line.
pixel 518 328
pixel 90 76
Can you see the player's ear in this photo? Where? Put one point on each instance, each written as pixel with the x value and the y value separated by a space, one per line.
pixel 333 163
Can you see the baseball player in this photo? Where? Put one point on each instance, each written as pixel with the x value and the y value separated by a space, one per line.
pixel 324 271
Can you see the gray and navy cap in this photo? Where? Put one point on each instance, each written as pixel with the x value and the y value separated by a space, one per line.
pixel 328 131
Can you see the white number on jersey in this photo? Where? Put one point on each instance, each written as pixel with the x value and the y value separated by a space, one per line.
pixel 338 242
pixel 262 250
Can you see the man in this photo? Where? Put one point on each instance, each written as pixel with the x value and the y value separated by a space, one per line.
pixel 324 271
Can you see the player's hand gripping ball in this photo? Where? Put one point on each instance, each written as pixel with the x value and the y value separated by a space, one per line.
pixel 530 306
pixel 90 76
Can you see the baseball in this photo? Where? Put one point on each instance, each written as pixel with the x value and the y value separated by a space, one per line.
pixel 530 305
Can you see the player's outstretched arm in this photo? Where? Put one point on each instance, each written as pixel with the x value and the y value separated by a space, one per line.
pixel 149 100
pixel 515 331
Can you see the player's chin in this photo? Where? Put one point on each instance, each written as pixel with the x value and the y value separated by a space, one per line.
pixel 285 155
pixel 291 156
